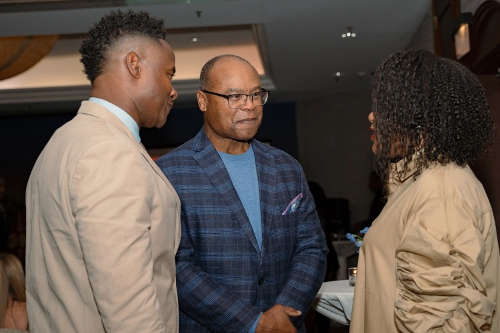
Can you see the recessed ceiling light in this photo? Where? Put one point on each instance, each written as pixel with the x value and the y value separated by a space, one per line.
pixel 349 33
pixel 337 76
pixel 194 39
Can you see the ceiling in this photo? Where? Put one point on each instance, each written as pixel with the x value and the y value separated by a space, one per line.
pixel 295 44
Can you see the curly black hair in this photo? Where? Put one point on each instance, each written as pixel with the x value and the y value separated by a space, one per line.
pixel 111 29
pixel 432 105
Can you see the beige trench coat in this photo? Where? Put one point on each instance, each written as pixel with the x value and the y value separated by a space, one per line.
pixel 430 261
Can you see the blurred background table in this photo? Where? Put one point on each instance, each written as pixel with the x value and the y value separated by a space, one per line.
pixel 334 300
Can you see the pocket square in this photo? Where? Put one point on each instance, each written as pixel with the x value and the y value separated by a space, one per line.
pixel 293 205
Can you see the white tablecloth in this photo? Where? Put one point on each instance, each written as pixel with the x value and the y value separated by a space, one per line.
pixel 334 300
pixel 344 250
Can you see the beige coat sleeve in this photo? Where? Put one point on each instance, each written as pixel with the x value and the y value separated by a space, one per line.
pixel 439 265
pixel 111 200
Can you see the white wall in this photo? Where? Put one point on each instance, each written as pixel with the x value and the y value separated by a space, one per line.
pixel 335 147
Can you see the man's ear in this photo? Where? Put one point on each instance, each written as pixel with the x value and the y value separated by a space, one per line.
pixel 202 100
pixel 133 64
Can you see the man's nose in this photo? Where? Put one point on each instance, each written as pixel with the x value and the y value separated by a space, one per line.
pixel 248 105
pixel 173 94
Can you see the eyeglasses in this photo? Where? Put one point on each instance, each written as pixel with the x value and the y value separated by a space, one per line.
pixel 236 101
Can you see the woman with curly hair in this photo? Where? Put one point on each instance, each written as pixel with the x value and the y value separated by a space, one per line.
pixel 12 296
pixel 430 261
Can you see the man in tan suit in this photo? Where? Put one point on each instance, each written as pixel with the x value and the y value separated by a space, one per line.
pixel 102 219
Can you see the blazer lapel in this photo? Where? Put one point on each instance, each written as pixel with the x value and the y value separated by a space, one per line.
pixel 211 163
pixel 266 174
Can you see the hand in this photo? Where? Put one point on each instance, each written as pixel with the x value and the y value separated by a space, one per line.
pixel 275 320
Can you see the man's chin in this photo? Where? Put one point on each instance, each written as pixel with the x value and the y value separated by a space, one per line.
pixel 160 124
pixel 247 132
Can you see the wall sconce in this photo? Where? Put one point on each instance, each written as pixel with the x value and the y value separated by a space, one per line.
pixel 461 34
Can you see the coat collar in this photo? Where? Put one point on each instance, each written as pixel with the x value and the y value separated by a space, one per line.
pixel 99 111
pixel 397 173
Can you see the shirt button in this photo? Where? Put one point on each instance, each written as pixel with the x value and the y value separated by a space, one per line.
pixel 261 281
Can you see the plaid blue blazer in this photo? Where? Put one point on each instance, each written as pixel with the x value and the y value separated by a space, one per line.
pixel 224 279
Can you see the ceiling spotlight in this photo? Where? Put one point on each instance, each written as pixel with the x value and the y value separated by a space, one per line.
pixel 349 33
pixel 337 75
pixel 194 39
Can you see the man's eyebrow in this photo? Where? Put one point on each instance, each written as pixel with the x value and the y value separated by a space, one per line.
pixel 235 90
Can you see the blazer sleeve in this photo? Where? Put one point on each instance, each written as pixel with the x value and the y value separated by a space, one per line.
pixel 111 195
pixel 308 266
pixel 439 270
pixel 205 300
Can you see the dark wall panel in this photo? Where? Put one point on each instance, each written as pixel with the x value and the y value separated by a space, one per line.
pixel 24 137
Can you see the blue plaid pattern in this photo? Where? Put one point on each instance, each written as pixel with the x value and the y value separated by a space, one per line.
pixel 223 279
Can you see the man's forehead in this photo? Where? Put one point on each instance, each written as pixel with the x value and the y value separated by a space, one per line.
pixel 234 75
pixel 232 63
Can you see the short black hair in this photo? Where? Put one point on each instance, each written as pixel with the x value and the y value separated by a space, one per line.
pixel 111 29
pixel 432 105
pixel 205 75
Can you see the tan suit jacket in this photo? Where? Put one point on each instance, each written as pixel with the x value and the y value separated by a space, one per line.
pixel 103 227
pixel 430 262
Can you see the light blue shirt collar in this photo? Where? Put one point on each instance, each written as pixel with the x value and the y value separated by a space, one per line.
pixel 121 114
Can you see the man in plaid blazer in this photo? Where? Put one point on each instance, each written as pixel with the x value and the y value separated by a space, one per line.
pixel 252 252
